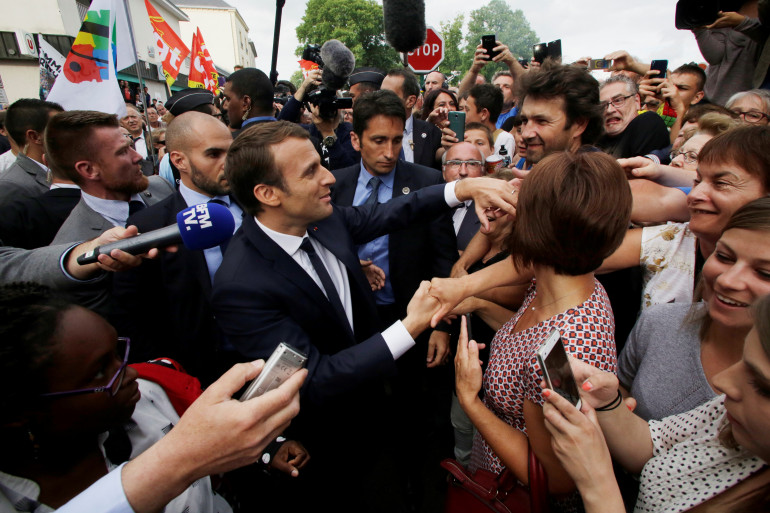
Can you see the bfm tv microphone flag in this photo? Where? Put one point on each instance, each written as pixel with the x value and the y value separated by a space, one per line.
pixel 203 74
pixel 88 79
pixel 172 50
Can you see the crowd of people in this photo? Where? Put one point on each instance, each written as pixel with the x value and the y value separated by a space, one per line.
pixel 630 215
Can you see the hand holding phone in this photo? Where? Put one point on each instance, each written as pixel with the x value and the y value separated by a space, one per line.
pixel 552 358
pixel 599 64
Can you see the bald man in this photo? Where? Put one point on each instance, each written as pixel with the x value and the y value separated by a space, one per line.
pixel 165 306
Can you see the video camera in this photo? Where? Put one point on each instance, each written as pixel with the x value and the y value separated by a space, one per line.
pixel 692 14
pixel 335 74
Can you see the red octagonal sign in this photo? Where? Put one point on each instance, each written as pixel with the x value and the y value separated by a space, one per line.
pixel 427 57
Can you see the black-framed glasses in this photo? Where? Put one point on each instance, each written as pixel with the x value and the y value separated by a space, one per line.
pixel 651 104
pixel 162 143
pixel 121 351
pixel 689 156
pixel 616 102
pixel 751 116
pixel 473 164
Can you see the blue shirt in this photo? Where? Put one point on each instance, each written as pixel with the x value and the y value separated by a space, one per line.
pixel 377 250
pixel 501 119
pixel 257 119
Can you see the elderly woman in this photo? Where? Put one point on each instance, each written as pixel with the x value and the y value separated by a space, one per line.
pixel 752 106
pixel 573 210
pixel 712 458
pixel 675 350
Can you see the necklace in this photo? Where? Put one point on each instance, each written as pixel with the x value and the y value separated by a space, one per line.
pixel 533 308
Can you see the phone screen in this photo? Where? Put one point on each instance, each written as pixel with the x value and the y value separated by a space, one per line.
pixel 539 52
pixel 558 373
pixel 599 64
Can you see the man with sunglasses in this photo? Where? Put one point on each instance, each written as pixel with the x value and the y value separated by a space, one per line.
pixel 628 133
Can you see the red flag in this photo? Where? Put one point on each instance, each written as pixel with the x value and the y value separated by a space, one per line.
pixel 203 74
pixel 172 50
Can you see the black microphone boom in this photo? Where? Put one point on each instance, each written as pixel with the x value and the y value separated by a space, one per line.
pixel 404 22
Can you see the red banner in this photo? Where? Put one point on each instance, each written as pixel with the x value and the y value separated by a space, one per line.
pixel 172 50
pixel 203 74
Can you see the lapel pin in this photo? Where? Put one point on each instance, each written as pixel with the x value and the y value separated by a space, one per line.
pixel 405 190
pixel 315 228
pixel 423 135
pixel 148 194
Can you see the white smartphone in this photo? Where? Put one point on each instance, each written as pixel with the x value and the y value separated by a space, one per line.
pixel 284 362
pixel 552 358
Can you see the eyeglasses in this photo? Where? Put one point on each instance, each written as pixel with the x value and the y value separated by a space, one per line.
pixel 472 164
pixel 751 116
pixel 162 143
pixel 689 156
pixel 121 351
pixel 652 104
pixel 616 102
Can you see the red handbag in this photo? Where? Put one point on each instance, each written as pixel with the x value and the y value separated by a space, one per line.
pixel 484 491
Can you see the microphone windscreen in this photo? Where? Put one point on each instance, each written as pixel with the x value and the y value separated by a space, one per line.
pixel 205 226
pixel 404 22
pixel 337 58
pixel 331 81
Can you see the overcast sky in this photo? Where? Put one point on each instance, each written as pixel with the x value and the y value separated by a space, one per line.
pixel 586 27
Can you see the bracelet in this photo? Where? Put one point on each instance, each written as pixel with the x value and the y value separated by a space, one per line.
pixel 612 405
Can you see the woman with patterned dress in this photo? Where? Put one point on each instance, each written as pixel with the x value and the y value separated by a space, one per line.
pixel 572 212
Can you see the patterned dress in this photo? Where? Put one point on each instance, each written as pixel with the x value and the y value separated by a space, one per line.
pixel 513 374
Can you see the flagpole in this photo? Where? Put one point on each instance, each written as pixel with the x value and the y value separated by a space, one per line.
pixel 151 147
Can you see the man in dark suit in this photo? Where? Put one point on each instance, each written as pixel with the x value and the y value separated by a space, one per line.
pixel 165 305
pixel 463 160
pixel 422 140
pixel 406 257
pixel 291 274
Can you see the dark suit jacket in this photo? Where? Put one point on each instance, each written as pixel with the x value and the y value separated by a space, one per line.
pixel 468 228
pixel 419 251
pixel 427 139
pixel 262 297
pixel 164 305
pixel 33 222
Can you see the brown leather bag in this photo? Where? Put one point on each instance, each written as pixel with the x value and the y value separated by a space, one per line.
pixel 484 491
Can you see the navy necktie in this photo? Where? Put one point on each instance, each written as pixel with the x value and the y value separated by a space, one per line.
pixel 326 280
pixel 374 183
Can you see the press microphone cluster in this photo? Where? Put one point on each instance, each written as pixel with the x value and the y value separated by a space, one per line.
pixel 198 227
pixel 404 23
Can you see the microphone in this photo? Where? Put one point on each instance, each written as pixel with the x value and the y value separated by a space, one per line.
pixel 198 227
pixel 404 22
pixel 339 63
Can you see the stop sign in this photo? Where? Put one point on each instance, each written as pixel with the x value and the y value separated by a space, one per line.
pixel 427 57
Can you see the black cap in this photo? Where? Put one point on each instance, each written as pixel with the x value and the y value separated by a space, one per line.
pixel 187 99
pixel 366 75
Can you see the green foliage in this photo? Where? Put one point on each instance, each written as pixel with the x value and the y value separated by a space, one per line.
pixel 454 56
pixel 509 26
pixel 357 23
pixel 297 78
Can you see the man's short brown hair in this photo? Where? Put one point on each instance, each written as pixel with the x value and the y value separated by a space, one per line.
pixel 573 211
pixel 250 160
pixel 475 125
pixel 69 138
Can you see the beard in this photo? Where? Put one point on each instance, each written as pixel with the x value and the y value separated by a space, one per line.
pixel 206 184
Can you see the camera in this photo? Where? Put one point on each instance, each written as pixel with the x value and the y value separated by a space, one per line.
pixel 325 96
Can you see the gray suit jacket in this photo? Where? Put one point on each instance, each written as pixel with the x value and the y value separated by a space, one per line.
pixel 84 223
pixel 40 265
pixel 24 179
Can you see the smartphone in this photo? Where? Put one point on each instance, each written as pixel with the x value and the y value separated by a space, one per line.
pixel 284 362
pixel 539 52
pixel 554 50
pixel 468 326
pixel 599 64
pixel 524 62
pixel 457 123
pixel 489 42
pixel 557 372
pixel 660 65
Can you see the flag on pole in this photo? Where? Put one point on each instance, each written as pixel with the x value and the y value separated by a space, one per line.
pixel 203 74
pixel 51 64
pixel 88 79
pixel 172 50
